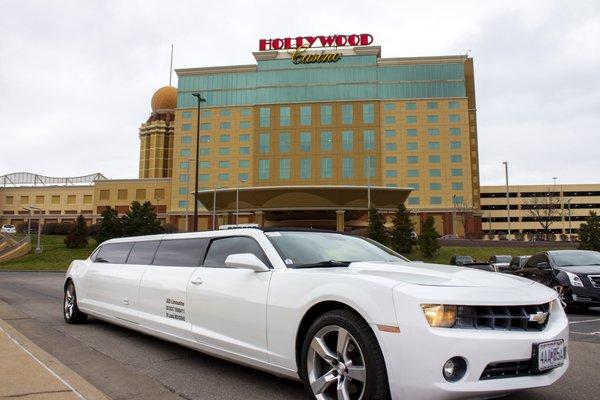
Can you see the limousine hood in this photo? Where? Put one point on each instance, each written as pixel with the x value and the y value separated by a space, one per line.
pixel 437 275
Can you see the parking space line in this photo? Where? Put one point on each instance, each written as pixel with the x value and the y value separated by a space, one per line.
pixel 587 333
pixel 584 321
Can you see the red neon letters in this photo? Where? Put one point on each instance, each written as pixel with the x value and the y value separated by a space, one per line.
pixel 363 39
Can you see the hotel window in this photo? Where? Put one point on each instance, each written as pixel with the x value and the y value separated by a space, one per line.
pixel 71 199
pixel 186 139
pixel 413 201
pixel 391 185
pixel 104 195
pixel 326 115
pixel 244 124
pixel 435 200
pixel 184 165
pixel 206 113
pixel 412 159
pixel 225 112
pixel 264 145
pixel 205 139
pixel 122 194
pixel 285 142
pixel 410 106
pixel 10 199
pixel 204 164
pixel 186 127
pixel 432 105
pixel 159 194
pixel 435 186
pixel 244 151
pixel 369 167
pixel 435 173
pixel 412 173
pixel 346 114
pixel 434 159
pixel 457 186
pixel 347 167
pixel 224 164
pixel 224 177
pixel 305 168
pixel 245 112
pixel 87 198
pixel 326 141
pixel 453 118
pixel 391 173
pixel 389 119
pixel 389 106
pixel 414 186
pixel 244 163
pixel 305 115
pixel 243 177
pixel 204 177
pixel 263 169
pixel 205 126
pixel 284 116
pixel 391 160
pixel 204 151
pixel 412 146
pixel 39 199
pixel 433 132
pixel 245 137
pixel 183 191
pixel 433 118
pixel 411 132
pixel 433 145
pixel 411 119
pixel 305 141
pixel 391 146
pixel 369 140
pixel 455 131
pixel 224 151
pixel 455 145
pixel 347 140
pixel 186 114
pixel 456 172
pixel 183 203
pixel 453 105
pixel 224 138
pixel 326 168
pixel 284 168
pixel 458 200
pixel 185 152
pixel 390 133
pixel 455 158
pixel 368 113
pixel 265 117
pixel 140 194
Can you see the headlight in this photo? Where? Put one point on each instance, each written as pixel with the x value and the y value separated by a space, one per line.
pixel 439 315
pixel 574 279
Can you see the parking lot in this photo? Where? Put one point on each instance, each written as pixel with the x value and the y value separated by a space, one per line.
pixel 128 365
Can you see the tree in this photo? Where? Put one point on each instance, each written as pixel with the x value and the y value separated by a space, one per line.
pixel 544 209
pixel 589 233
pixel 110 225
pixel 403 229
pixel 376 230
pixel 428 243
pixel 141 220
pixel 78 235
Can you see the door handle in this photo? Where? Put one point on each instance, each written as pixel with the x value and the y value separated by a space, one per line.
pixel 126 301
pixel 197 281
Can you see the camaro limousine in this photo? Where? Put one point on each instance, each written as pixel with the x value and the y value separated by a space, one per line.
pixel 349 317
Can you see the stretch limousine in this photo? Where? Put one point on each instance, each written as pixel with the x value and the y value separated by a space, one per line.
pixel 349 317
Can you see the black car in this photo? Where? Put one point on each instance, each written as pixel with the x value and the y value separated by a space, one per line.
pixel 461 260
pixel 574 274
pixel 517 262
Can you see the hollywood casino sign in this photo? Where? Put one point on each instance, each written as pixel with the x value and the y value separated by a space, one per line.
pixel 298 46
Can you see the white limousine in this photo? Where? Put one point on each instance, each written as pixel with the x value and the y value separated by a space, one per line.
pixel 352 319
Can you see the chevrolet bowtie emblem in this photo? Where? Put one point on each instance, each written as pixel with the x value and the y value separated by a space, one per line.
pixel 540 317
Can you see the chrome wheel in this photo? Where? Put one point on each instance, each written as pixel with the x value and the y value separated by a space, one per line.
pixel 335 365
pixel 69 301
pixel 561 295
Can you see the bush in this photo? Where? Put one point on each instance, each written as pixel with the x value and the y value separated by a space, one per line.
pixel 57 228
pixel 93 230
pixel 491 235
pixel 402 234
pixel 589 233
pixel 427 241
pixel 564 237
pixel 502 236
pixel 551 237
pixel 520 236
pixel 376 230
pixel 77 237
pixel 22 226
pixel 170 228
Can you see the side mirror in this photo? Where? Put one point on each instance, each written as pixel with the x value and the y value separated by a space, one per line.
pixel 543 265
pixel 246 261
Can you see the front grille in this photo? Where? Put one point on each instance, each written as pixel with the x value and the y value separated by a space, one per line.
pixel 595 279
pixel 510 369
pixel 508 318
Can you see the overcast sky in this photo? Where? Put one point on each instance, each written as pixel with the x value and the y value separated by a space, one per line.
pixel 76 77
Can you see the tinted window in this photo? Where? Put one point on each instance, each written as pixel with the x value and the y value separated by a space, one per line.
pixel 221 248
pixel 532 263
pixel 180 252
pixel 114 253
pixel 142 252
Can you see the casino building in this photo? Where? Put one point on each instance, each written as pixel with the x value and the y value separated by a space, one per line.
pixel 308 137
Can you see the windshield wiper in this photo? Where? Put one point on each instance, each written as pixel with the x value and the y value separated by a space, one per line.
pixel 329 263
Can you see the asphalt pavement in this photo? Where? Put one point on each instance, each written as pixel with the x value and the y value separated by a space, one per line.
pixel 125 364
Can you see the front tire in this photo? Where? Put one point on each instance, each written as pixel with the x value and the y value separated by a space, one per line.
pixel 341 359
pixel 71 312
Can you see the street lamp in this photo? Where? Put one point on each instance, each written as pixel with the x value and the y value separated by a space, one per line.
pixel 200 101
pixel 369 178
pixel 237 201
pixel 569 208
pixel 214 210
pixel 38 248
pixel 507 196
pixel 187 203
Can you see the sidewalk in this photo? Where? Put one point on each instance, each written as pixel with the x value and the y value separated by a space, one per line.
pixel 29 373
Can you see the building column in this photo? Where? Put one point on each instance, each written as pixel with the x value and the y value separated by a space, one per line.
pixel 259 218
pixel 340 222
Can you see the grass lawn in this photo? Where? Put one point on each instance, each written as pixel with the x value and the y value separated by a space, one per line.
pixel 55 256
pixel 479 253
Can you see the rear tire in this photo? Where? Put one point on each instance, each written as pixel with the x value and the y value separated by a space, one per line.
pixel 341 359
pixel 71 312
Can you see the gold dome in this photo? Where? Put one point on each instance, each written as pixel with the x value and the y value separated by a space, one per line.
pixel 164 98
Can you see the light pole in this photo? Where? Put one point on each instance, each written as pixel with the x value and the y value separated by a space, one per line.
pixel 187 203
pixel 554 178
pixel 369 178
pixel 507 196
pixel 569 208
pixel 200 101
pixel 38 248
pixel 214 210
pixel 237 201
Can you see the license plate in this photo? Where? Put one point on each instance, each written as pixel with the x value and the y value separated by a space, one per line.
pixel 549 354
